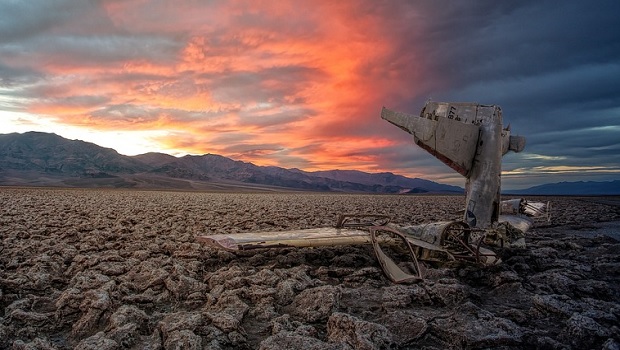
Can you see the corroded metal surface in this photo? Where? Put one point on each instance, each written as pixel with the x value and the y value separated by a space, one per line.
pixel 315 237
pixel 391 269
pixel 471 139
pixel 446 139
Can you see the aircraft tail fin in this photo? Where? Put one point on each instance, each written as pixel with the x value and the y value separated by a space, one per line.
pixel 451 140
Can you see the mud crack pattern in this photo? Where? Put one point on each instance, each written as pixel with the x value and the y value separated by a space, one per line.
pixel 111 269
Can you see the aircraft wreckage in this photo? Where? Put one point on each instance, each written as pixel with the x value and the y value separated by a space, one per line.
pixel 471 139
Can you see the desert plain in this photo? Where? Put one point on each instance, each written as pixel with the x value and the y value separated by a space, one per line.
pixel 121 269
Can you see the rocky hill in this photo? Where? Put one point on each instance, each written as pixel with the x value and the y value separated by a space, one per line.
pixel 52 154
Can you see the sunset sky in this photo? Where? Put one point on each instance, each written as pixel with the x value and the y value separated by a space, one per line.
pixel 300 84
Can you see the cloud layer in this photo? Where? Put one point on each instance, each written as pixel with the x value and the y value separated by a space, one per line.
pixel 301 84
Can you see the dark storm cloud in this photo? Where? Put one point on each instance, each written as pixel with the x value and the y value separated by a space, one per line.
pixel 474 41
pixel 553 67
pixel 496 44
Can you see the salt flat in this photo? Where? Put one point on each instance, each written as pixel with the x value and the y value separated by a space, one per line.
pixel 112 269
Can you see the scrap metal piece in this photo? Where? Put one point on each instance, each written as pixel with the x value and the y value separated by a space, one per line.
pixel 446 139
pixel 390 268
pixel 539 211
pixel 435 232
pixel 314 237
pixel 512 206
pixel 439 242
pixel 525 207
pixel 523 214
pixel 429 252
pixel 361 220
pixel 506 234
pixel 520 222
pixel 448 241
pixel 347 231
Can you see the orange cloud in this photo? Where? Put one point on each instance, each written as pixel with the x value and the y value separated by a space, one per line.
pixel 259 81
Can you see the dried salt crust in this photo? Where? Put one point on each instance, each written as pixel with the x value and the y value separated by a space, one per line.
pixel 109 269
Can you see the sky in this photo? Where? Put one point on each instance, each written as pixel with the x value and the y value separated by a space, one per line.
pixel 301 84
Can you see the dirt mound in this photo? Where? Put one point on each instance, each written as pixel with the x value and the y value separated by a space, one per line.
pixel 94 269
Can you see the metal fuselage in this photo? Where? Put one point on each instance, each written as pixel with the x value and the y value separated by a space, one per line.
pixel 469 138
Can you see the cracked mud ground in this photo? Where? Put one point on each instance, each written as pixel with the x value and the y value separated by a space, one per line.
pixel 107 269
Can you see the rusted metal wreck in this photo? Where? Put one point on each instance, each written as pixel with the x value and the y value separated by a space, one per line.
pixel 471 139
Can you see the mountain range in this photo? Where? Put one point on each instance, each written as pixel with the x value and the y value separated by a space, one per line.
pixel 578 188
pixel 45 159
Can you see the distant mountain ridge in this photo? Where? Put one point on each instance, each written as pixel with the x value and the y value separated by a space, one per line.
pixel 45 159
pixel 386 179
pixel 578 188
pixel 54 154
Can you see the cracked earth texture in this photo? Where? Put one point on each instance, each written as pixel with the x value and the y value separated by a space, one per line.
pixel 113 269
